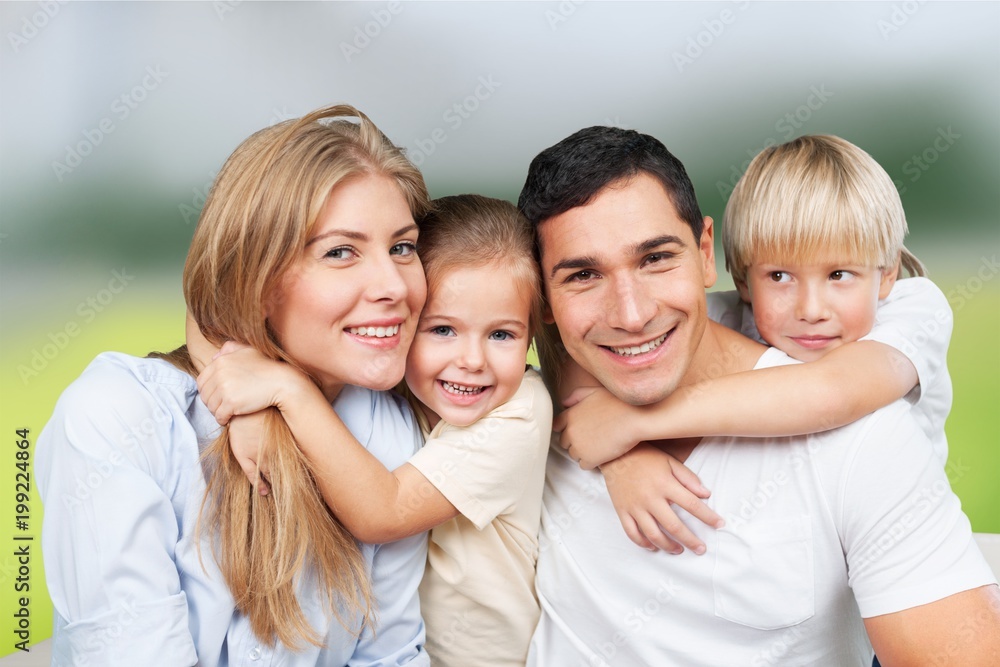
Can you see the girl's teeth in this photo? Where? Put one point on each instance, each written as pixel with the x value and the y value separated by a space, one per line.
pixel 460 389
pixel 376 332
pixel 639 349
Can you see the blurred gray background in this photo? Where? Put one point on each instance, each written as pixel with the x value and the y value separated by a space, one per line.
pixel 115 117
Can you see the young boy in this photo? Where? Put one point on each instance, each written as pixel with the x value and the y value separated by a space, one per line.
pixel 813 237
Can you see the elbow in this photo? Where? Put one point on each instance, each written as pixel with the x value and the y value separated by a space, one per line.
pixel 377 531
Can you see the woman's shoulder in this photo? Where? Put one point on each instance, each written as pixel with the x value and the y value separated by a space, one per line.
pixel 118 396
pixel 381 421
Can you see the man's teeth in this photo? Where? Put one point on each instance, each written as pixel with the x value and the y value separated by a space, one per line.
pixel 461 388
pixel 377 332
pixel 639 349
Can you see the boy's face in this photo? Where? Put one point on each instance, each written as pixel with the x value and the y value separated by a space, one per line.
pixel 806 310
pixel 468 355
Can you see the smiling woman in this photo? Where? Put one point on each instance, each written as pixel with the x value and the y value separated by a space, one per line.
pixel 305 252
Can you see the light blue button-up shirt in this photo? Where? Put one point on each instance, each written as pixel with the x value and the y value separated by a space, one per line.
pixel 119 475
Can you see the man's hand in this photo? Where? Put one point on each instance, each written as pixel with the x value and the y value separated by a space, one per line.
pixel 643 484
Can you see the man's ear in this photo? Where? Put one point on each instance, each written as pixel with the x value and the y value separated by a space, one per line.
pixel 547 316
pixel 743 289
pixel 706 246
pixel 888 280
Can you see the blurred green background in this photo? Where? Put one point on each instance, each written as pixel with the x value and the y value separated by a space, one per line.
pixel 115 117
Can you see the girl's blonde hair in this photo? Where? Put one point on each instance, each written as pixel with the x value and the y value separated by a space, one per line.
pixel 809 195
pixel 254 225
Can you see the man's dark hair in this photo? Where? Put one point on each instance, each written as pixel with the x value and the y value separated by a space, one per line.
pixel 573 171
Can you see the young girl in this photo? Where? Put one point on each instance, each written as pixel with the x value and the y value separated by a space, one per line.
pixel 477 482
pixel 813 237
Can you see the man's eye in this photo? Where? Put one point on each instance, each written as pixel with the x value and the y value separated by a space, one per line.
pixel 580 276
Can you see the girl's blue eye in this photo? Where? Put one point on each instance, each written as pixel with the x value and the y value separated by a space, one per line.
pixel 404 249
pixel 441 331
pixel 501 335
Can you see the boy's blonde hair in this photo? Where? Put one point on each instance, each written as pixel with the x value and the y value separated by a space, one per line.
pixel 812 194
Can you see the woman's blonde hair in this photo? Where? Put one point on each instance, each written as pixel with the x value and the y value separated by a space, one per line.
pixel 254 225
pixel 809 195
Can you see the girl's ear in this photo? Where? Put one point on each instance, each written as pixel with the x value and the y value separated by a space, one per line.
pixel 889 275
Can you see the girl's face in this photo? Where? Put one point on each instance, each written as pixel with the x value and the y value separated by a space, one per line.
pixel 469 352
pixel 346 311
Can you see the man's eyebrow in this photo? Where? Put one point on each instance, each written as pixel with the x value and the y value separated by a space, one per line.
pixel 654 243
pixel 573 263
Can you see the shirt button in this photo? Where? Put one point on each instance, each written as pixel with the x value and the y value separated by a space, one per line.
pixel 255 653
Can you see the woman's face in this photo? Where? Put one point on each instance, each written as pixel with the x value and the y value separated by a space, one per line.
pixel 346 311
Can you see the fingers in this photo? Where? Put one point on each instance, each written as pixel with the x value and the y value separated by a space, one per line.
pixel 689 479
pixel 559 421
pixel 578 395
pixel 229 347
pixel 633 532
pixel 699 510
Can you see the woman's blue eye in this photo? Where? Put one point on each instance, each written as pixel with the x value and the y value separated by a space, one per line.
pixel 404 249
pixel 501 335
pixel 338 253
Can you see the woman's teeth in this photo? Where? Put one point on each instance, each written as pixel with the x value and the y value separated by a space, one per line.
pixel 377 332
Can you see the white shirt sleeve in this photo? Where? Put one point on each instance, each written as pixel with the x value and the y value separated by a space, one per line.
pixel 110 526
pixel 916 320
pixel 482 469
pixel 906 539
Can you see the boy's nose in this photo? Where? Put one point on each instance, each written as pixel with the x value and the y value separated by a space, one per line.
pixel 811 305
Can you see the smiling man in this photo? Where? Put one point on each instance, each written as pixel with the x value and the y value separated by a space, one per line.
pixel 831 539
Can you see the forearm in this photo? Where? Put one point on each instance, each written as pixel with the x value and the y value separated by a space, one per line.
pixel 840 388
pixel 355 485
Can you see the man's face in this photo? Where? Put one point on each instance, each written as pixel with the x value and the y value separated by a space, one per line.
pixel 626 280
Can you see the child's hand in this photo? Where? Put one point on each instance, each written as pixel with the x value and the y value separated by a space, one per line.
pixel 246 442
pixel 595 427
pixel 642 484
pixel 240 380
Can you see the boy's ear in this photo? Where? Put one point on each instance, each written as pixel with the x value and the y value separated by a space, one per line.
pixel 706 245
pixel 741 287
pixel 888 280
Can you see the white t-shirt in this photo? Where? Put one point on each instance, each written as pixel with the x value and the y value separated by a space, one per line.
pixel 478 592
pixel 915 319
pixel 822 530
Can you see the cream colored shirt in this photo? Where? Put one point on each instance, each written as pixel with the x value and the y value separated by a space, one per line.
pixel 478 594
